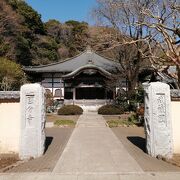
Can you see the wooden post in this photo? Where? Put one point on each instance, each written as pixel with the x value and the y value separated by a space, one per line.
pixel 74 95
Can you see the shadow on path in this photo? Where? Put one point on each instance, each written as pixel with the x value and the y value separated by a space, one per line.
pixel 138 141
pixel 48 142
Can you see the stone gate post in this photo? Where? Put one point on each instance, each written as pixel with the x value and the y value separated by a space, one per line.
pixel 157 118
pixel 32 136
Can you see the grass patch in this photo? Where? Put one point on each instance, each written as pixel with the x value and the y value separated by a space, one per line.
pixel 64 122
pixel 121 122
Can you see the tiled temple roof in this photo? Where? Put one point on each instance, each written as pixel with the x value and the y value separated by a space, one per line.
pixel 71 64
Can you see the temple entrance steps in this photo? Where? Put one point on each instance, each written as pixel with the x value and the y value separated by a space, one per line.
pixel 90 105
pixel 93 108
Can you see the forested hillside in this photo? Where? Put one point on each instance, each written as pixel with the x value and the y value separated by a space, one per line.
pixel 26 40
pixel 134 42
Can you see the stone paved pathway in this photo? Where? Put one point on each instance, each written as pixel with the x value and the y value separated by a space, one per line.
pixel 93 148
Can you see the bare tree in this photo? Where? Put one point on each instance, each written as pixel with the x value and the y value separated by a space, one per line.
pixel 164 30
pixel 164 23
pixel 131 48
pixel 151 26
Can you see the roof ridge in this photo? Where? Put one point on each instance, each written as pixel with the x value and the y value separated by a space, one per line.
pixel 110 59
pixel 54 63
pixel 70 58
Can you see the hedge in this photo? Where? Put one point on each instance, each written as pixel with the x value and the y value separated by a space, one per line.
pixel 70 110
pixel 110 110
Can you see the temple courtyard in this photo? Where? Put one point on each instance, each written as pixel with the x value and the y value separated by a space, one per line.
pixel 91 150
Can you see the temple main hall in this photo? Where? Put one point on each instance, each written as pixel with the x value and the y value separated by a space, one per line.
pixel 85 77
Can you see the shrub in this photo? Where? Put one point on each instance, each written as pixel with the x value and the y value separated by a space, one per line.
pixel 70 110
pixel 140 115
pixel 135 119
pixel 110 110
pixel 140 111
pixel 130 102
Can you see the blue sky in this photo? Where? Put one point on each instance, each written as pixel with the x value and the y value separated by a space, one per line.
pixel 63 10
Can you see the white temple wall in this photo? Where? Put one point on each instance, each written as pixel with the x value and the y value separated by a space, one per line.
pixel 175 114
pixel 9 127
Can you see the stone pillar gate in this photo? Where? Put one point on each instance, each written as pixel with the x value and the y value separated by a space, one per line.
pixel 158 127
pixel 32 134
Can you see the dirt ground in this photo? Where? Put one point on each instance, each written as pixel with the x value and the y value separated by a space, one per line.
pixel 138 134
pixel 133 138
pixel 56 133
pixel 7 160
pixel 175 160
pixel 53 117
pixel 56 140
